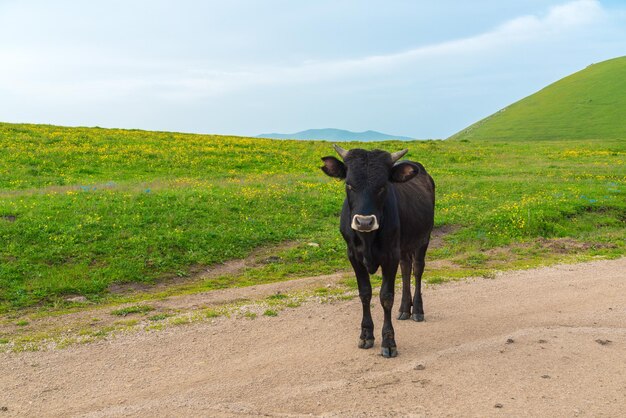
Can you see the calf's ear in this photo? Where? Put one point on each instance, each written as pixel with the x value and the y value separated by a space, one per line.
pixel 333 167
pixel 404 171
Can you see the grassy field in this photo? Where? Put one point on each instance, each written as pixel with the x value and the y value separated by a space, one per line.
pixel 589 104
pixel 84 208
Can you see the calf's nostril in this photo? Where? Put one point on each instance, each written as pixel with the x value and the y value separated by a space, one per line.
pixel 364 221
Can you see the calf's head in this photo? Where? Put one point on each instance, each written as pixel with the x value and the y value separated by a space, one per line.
pixel 367 175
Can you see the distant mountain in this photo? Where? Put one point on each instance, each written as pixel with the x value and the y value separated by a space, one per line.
pixel 589 104
pixel 331 134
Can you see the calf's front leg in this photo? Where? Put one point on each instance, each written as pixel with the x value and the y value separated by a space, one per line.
pixel 389 269
pixel 366 340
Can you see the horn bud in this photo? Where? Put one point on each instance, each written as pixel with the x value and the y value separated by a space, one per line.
pixel 395 156
pixel 342 152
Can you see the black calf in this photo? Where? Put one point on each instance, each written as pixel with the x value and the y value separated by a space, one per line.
pixel 386 220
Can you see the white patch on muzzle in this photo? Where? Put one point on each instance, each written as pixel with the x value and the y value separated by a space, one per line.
pixel 364 223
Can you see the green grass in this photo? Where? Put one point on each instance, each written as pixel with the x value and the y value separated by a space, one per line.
pixel 82 209
pixel 277 296
pixel 589 104
pixel 132 310
pixel 159 317
pixel 249 315
pixel 211 313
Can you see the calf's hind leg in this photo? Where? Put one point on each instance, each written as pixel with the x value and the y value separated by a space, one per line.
pixel 405 305
pixel 418 269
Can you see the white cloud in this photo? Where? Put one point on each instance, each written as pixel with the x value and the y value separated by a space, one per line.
pixel 73 75
pixel 559 20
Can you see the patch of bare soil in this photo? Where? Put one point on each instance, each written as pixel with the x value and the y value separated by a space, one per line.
pixel 259 256
pixel 569 245
pixel 543 342
pixel 436 237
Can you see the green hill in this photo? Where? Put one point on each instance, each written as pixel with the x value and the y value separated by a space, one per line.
pixel 589 104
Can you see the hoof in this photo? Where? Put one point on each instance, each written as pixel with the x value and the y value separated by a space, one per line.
pixel 404 315
pixel 389 352
pixel 366 343
pixel 417 317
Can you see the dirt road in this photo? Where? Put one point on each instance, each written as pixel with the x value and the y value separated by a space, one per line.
pixel 545 342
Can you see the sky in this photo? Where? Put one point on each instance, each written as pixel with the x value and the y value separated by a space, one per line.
pixel 423 69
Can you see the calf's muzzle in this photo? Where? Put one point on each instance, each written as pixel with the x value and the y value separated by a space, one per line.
pixel 364 223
